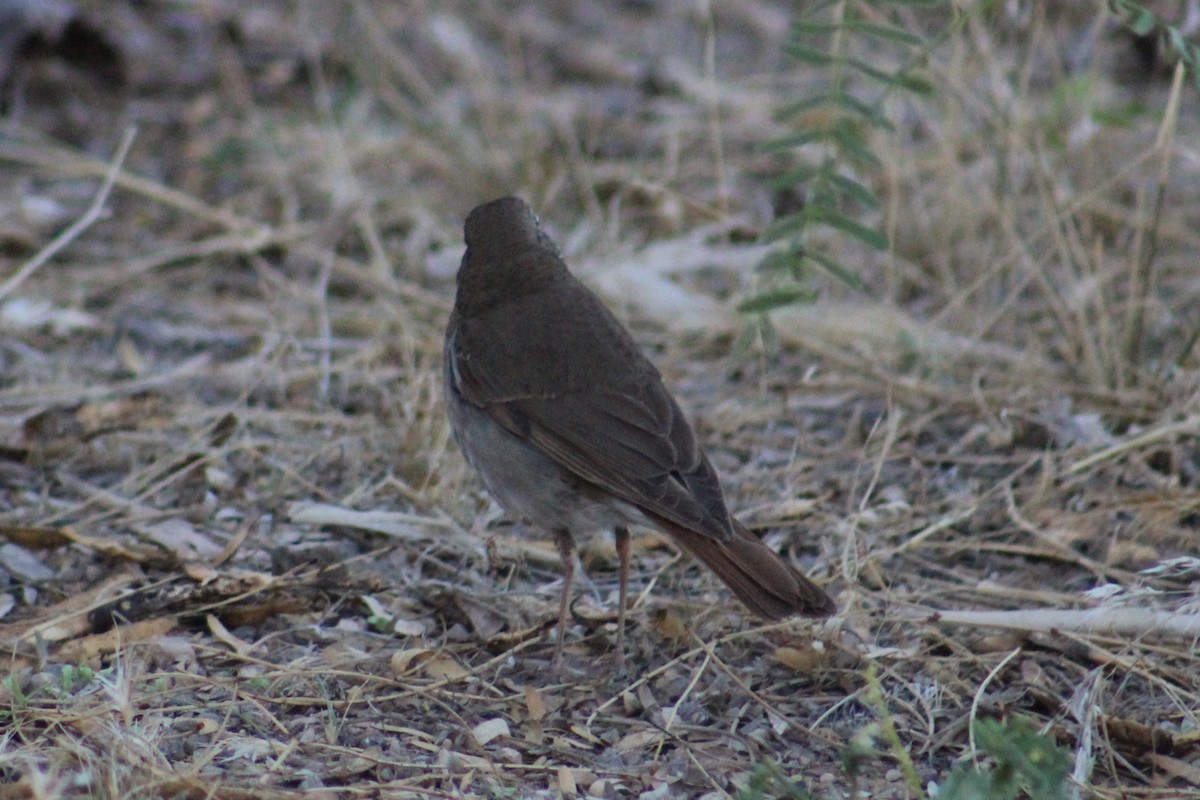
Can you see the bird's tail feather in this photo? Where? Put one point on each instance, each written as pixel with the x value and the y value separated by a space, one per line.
pixel 768 585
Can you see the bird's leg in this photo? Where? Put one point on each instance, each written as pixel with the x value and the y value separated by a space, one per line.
pixel 621 537
pixel 566 552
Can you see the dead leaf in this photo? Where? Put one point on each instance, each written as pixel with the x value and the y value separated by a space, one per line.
pixel 669 625
pixel 566 782
pixel 222 634
pixel 70 617
pixel 238 538
pixel 800 659
pixel 996 643
pixel 534 705
pixel 200 573
pixel 47 538
pixel 59 428
pixel 245 613
pixel 35 537
pixel 403 661
pixel 1177 768
pixel 586 735
pixel 133 361
pixel 442 666
pixel 1138 737
pixel 24 564
pixel 638 740
pixel 120 637
pixel 181 538
pixel 408 627
pixel 491 729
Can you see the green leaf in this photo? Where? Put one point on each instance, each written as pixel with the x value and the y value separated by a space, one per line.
pixel 836 219
pixel 883 31
pixel 742 343
pixel 814 9
pixel 780 261
pixel 808 55
pixel 1143 22
pixel 867 112
pixel 769 781
pixel 914 82
pixel 776 298
pixel 1036 762
pixel 808 27
pixel 792 177
pixel 767 334
pixel 1178 43
pixel 791 225
pixel 869 69
pixel 837 269
pixel 965 783
pixel 1119 115
pixel 808 104
pixel 853 189
pixel 851 145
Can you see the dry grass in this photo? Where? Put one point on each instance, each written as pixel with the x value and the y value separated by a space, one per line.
pixel 242 558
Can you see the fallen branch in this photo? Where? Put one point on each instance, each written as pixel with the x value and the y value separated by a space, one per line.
pixel 1122 621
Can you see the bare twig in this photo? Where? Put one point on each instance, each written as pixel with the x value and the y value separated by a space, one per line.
pixel 73 231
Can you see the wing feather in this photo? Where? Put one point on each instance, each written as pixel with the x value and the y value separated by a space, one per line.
pixel 615 425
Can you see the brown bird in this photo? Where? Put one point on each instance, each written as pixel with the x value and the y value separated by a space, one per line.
pixel 572 428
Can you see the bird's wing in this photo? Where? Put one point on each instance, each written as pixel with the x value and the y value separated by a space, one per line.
pixel 617 429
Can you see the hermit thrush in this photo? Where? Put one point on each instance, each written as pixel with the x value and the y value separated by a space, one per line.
pixel 572 428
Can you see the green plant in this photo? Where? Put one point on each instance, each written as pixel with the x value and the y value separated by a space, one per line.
pixel 767 780
pixel 13 684
pixel 73 676
pixel 261 684
pixel 1172 40
pixel 833 126
pixel 862 745
pixel 1173 43
pixel 1024 760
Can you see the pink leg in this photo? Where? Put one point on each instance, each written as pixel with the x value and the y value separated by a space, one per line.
pixel 566 552
pixel 622 541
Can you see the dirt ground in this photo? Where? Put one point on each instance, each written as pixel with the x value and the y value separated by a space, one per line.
pixel 241 557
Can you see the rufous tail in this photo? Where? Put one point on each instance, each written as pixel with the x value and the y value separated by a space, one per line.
pixel 768 585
